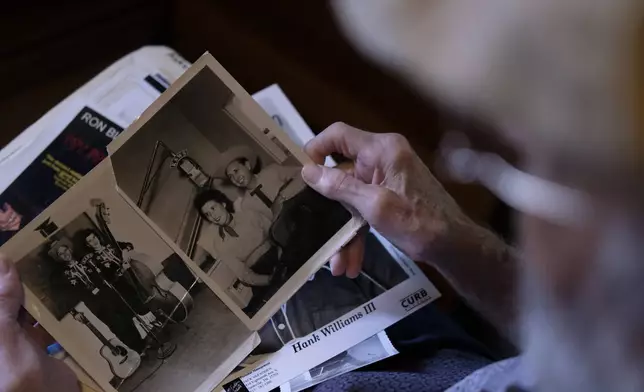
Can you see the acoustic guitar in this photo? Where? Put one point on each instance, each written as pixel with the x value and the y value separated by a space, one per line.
pixel 122 360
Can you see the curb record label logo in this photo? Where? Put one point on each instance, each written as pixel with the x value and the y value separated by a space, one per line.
pixel 414 299
pixel 235 386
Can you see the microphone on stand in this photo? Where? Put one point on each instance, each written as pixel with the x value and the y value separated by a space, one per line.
pixel 186 166
pixel 179 160
pixel 189 167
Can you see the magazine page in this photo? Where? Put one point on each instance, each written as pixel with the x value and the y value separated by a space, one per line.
pixel 51 155
pixel 314 326
pixel 211 170
pixel 129 309
pixel 371 350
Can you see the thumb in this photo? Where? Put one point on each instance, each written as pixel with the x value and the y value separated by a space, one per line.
pixel 11 294
pixel 339 185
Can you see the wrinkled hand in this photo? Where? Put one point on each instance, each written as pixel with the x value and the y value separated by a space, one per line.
pixel 9 218
pixel 23 366
pixel 389 186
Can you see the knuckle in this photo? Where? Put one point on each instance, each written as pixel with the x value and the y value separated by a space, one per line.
pixel 337 127
pixel 399 147
pixel 396 140
pixel 309 146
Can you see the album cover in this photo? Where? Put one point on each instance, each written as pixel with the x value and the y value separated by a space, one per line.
pixel 311 308
pixel 73 153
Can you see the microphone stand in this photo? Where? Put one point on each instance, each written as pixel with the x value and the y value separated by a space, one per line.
pixel 187 166
pixel 165 350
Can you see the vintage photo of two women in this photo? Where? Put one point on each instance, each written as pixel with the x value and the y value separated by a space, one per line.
pixel 237 207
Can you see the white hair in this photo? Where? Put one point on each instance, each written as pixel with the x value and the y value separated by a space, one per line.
pixel 561 74
pixel 559 68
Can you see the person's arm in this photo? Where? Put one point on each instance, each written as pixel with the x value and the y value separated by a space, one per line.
pixel 399 197
pixel 482 268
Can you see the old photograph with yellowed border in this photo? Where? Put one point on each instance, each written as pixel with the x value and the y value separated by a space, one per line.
pixel 126 306
pixel 233 200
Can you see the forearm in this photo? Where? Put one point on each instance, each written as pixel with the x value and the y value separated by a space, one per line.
pixel 484 271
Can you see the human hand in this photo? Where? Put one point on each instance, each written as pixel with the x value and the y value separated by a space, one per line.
pixel 389 186
pixel 23 365
pixel 9 218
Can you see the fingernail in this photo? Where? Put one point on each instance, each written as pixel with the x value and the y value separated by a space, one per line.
pixel 312 173
pixel 353 275
pixel 5 267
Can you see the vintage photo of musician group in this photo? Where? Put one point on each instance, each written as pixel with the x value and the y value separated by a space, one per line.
pixel 133 305
pixel 237 207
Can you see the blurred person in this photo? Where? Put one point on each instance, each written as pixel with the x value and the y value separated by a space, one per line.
pixel 561 81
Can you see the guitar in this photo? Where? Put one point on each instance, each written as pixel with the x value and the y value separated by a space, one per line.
pixel 175 303
pixel 122 360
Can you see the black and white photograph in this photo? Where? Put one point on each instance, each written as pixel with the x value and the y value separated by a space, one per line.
pixel 237 207
pixel 311 308
pixel 374 349
pixel 135 308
